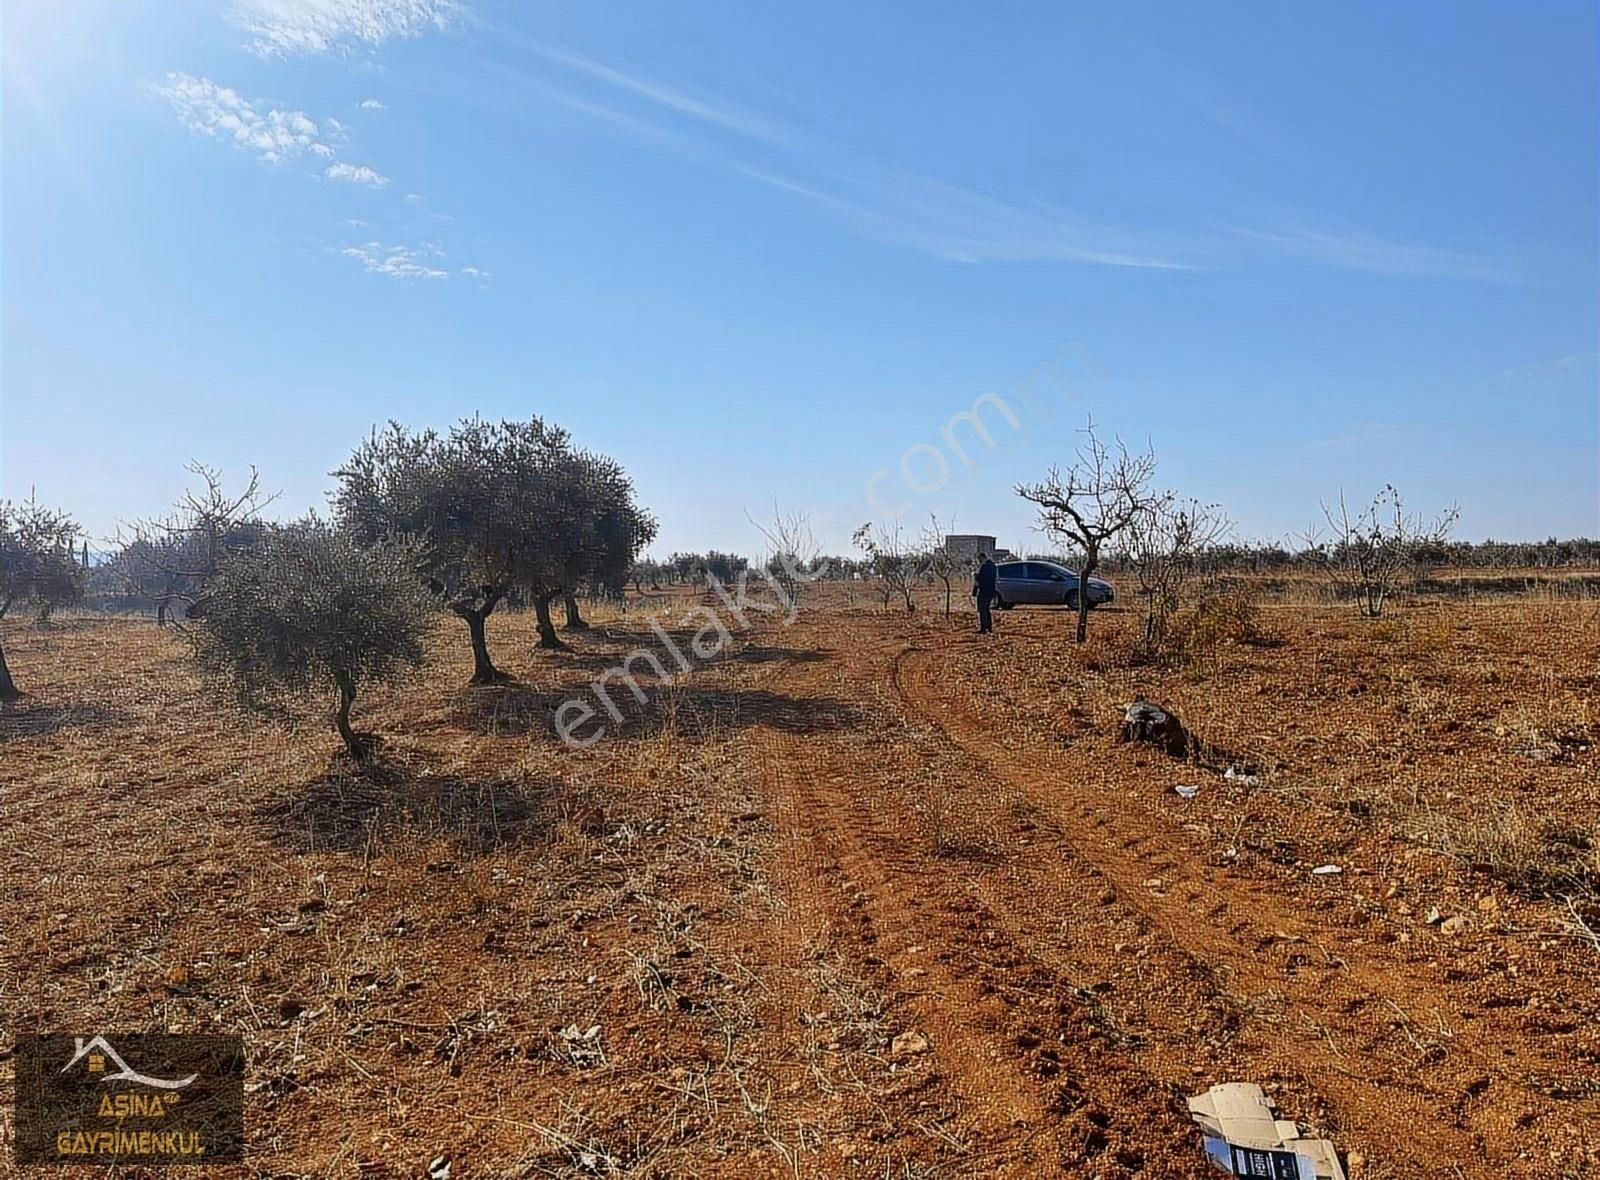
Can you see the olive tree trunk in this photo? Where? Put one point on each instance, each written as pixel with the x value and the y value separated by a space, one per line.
pixel 476 618
pixel 357 745
pixel 483 669
pixel 574 619
pixel 8 687
pixel 547 629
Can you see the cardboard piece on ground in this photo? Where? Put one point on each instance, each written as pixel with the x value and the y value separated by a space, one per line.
pixel 1245 1136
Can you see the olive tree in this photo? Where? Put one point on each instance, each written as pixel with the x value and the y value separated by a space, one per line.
pixel 590 531
pixel 466 496
pixel 310 611
pixel 1094 500
pixel 496 507
pixel 38 565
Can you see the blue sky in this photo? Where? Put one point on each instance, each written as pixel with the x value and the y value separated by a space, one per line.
pixel 765 252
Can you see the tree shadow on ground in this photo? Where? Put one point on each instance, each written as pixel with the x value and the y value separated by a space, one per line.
pixel 756 653
pixel 636 637
pixel 26 719
pixel 594 660
pixel 350 810
pixel 971 851
pixel 621 644
pixel 514 709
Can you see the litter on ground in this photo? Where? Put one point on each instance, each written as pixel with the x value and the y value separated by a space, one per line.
pixel 1245 1137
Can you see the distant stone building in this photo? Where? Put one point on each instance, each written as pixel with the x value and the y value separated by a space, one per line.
pixel 967 546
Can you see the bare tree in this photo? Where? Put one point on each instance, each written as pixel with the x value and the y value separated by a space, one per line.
pixel 1370 551
pixel 1165 542
pixel 171 561
pixel 941 563
pixel 309 610
pixel 1099 496
pixel 896 564
pixel 37 565
pixel 792 551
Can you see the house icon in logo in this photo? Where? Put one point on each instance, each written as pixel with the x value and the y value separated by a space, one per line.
pixel 99 1051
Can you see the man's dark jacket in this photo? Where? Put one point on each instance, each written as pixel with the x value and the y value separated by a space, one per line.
pixel 984 583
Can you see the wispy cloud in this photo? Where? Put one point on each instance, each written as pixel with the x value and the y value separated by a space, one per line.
pixel 355 174
pixel 670 97
pixel 1357 251
pixel 273 133
pixel 1562 365
pixel 396 262
pixel 946 221
pixel 962 226
pixel 279 28
pixel 372 104
pixel 897 207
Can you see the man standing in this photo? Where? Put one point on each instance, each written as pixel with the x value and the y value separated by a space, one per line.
pixel 983 589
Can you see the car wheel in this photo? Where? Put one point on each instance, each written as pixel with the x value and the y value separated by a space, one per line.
pixel 1071 600
pixel 1002 603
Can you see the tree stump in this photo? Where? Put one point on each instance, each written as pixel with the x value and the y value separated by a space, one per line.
pixel 1144 722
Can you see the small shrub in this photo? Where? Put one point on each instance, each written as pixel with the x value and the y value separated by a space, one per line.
pixel 1225 617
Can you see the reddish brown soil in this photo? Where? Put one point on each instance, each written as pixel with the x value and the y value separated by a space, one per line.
pixel 852 828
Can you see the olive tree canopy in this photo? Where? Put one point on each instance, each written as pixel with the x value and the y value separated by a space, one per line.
pixel 309 611
pixel 495 507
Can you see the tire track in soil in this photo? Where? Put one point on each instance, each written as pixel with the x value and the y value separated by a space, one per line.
pixel 1241 937
pixel 1043 1085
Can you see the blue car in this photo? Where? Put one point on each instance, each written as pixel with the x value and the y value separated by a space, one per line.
pixel 1044 583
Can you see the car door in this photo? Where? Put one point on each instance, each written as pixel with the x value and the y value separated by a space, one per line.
pixel 1011 582
pixel 1042 587
pixel 1051 585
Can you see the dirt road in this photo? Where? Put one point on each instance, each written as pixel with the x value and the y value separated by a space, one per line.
pixel 1081 956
